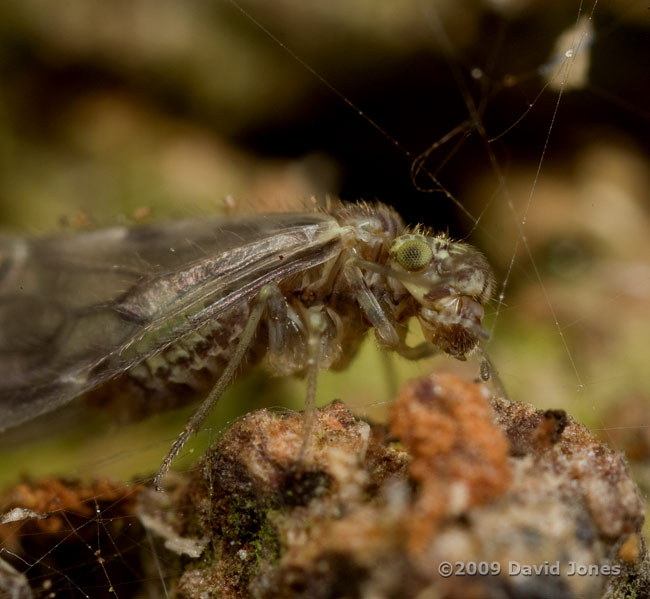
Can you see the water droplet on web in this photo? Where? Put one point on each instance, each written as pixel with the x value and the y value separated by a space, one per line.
pixel 485 370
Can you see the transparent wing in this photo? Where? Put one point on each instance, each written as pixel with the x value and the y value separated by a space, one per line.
pixel 78 310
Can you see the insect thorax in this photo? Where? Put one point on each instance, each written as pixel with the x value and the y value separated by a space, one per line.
pixel 373 228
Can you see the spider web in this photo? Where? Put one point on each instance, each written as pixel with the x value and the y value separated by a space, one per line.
pixel 506 159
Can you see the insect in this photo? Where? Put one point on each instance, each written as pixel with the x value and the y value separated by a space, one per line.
pixel 159 313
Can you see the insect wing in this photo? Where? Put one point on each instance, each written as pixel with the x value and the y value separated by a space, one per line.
pixel 80 309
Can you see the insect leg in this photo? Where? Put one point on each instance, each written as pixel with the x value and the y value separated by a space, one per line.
pixel 384 328
pixel 417 352
pixel 316 328
pixel 280 337
pixel 389 374
pixel 278 317
pixel 213 397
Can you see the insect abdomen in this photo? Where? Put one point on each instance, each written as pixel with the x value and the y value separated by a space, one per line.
pixel 177 375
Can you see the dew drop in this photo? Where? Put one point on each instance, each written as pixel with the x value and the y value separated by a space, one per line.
pixel 485 370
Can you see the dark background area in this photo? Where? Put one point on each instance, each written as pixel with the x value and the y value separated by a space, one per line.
pixel 252 94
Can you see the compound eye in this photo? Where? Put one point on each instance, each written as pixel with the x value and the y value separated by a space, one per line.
pixel 413 254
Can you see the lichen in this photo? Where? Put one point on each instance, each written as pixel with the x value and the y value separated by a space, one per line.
pixel 473 479
pixel 372 511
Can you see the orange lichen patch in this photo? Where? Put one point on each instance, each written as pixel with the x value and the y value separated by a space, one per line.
pixel 550 428
pixel 459 456
pixel 631 548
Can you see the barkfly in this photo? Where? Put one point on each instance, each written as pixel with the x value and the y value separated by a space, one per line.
pixel 162 314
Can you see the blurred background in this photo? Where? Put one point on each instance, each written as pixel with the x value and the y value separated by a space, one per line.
pixel 138 111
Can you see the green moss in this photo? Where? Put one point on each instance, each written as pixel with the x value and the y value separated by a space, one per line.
pixel 267 544
pixel 626 590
